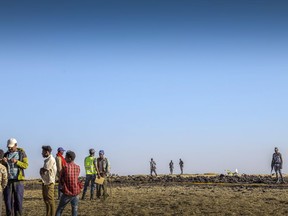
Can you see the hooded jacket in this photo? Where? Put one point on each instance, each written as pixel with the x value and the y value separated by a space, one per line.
pixel 22 163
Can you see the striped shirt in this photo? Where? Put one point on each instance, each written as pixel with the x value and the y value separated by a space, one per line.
pixel 69 179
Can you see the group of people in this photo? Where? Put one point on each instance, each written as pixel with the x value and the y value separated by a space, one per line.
pixel 69 186
pixel 15 161
pixel 96 172
pixel 276 165
pixel 181 165
pixel 171 166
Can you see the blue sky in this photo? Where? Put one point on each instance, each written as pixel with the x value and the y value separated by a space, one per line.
pixel 205 81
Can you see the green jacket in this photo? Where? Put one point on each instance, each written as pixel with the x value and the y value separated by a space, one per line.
pixel 89 164
pixel 22 163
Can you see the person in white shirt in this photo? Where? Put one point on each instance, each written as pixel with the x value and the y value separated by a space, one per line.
pixel 48 175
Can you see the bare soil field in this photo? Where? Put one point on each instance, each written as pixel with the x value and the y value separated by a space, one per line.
pixel 144 195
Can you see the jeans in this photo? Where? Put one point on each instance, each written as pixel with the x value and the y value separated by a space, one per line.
pixel 48 196
pixel 64 200
pixel 59 191
pixel 89 179
pixel 13 197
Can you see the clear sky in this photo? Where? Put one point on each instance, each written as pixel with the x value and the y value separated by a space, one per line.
pixel 205 81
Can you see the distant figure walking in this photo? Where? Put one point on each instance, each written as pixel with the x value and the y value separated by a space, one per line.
pixel 171 167
pixel 181 164
pixel 152 167
pixel 276 164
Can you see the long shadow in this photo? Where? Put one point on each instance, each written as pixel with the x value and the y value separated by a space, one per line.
pixel 33 198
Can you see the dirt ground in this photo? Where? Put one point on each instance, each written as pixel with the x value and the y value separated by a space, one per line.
pixel 183 198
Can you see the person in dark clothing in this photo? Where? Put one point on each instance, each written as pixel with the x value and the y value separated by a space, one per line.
pixel 181 164
pixel 277 164
pixel 171 167
pixel 152 167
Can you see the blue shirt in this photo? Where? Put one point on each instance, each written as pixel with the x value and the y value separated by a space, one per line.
pixel 12 167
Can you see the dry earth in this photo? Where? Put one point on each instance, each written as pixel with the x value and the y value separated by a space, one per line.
pixel 177 196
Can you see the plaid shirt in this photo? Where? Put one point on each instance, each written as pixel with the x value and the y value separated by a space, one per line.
pixel 69 179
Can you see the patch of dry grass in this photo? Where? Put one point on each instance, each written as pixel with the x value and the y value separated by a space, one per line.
pixel 178 199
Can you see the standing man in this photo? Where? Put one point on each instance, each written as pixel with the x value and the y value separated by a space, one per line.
pixel 152 167
pixel 103 169
pixel 3 179
pixel 171 167
pixel 181 164
pixel 16 161
pixel 60 163
pixel 70 185
pixel 277 163
pixel 90 169
pixel 48 174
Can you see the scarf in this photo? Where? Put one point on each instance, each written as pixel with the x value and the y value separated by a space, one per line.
pixel 63 161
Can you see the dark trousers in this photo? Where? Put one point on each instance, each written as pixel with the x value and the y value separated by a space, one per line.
pixel 59 191
pixel 100 188
pixel 153 170
pixel 64 200
pixel 90 179
pixel 13 197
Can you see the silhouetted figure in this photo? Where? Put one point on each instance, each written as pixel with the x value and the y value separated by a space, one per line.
pixel 181 164
pixel 171 167
pixel 276 164
pixel 152 167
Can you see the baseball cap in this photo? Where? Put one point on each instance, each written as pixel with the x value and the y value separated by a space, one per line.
pixel 101 152
pixel 11 142
pixel 60 149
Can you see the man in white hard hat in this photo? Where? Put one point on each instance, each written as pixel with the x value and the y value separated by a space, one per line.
pixel 16 161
